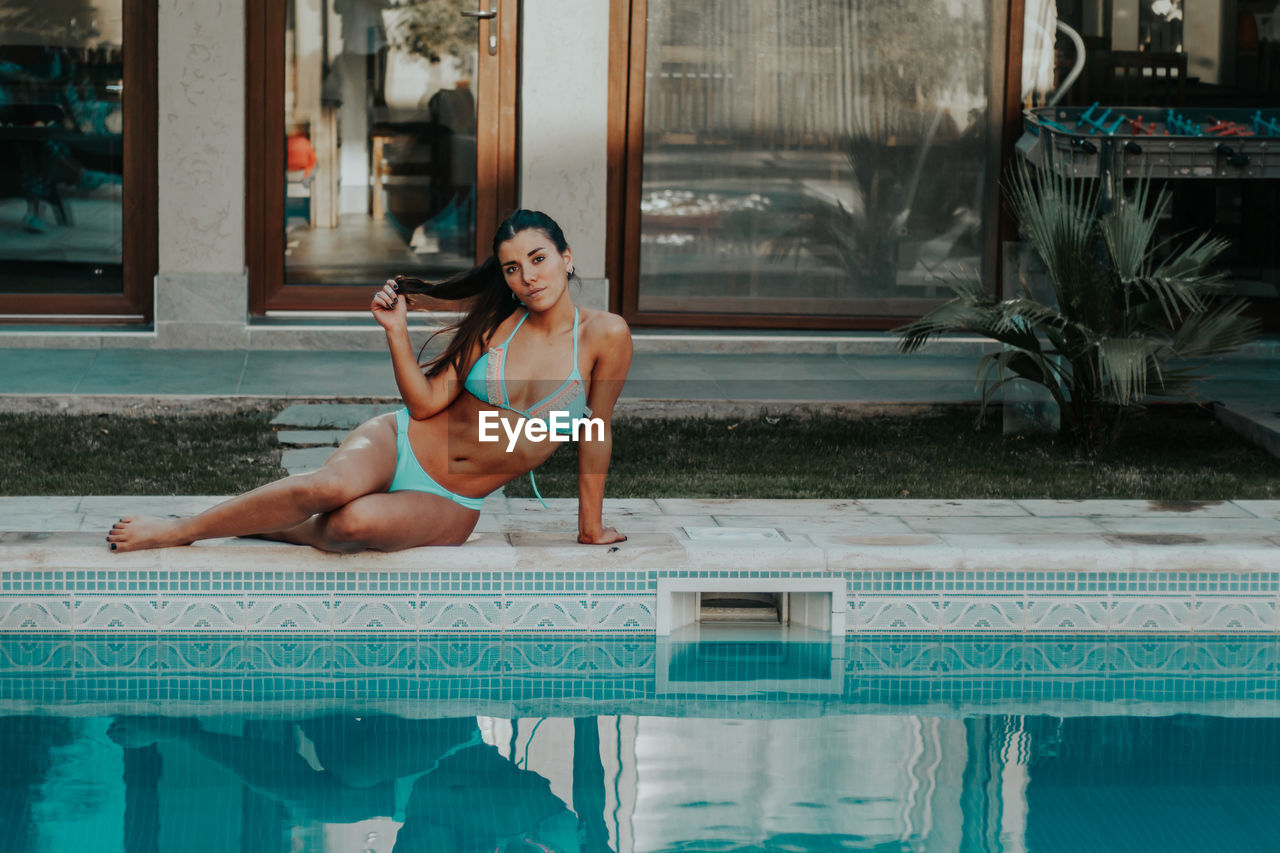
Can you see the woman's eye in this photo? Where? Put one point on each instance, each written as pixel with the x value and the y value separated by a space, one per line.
pixel 538 259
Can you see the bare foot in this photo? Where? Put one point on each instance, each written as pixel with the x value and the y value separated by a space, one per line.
pixel 140 532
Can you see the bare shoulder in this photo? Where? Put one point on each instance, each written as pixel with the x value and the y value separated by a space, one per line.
pixel 604 328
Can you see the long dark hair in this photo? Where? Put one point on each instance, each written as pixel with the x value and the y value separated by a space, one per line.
pixel 493 299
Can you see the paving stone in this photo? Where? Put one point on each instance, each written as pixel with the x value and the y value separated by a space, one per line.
pixel 1138 508
pixel 821 522
pixel 331 415
pixel 1205 528
pixel 765 508
pixel 1255 423
pixel 147 504
pixel 1004 525
pixel 312 437
pixel 304 459
pixel 922 507
pixel 1262 509
pixel 49 504
pixel 47 522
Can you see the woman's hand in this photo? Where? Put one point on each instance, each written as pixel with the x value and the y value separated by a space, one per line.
pixel 388 308
pixel 605 537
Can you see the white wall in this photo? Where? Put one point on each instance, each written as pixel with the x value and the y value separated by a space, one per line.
pixel 201 288
pixel 564 112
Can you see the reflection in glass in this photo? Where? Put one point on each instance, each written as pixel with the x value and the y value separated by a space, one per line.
pixel 812 157
pixel 61 151
pixel 380 118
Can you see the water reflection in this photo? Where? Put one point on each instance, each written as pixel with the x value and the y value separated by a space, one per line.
pixel 439 781
pixel 883 782
pixel 61 146
pixel 813 158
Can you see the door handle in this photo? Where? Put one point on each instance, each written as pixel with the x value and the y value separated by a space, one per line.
pixel 486 15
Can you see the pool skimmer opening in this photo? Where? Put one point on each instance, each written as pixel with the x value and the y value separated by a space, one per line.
pixel 817 603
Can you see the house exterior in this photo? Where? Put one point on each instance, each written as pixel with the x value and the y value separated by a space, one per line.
pixel 240 174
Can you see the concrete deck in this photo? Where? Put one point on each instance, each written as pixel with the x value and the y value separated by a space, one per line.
pixel 902 565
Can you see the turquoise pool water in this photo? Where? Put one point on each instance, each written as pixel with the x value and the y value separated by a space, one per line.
pixel 491 743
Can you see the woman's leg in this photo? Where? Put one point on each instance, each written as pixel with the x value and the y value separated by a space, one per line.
pixel 386 522
pixel 364 463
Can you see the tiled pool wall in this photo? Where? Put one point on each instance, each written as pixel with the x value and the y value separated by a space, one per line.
pixel 555 675
pixel 623 601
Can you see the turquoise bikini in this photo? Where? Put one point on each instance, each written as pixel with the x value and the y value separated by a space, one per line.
pixel 409 474
pixel 487 381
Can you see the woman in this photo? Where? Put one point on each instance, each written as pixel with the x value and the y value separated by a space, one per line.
pixel 418 476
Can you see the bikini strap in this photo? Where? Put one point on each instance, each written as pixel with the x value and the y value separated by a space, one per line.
pixel 575 339
pixel 537 493
pixel 516 329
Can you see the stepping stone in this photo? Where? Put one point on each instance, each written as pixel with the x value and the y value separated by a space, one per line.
pixel 1253 422
pixel 312 437
pixel 305 459
pixel 733 534
pixel 344 416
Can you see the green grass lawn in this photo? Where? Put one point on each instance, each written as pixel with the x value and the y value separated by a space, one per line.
pixel 1169 453
pixel 124 455
pixel 1164 454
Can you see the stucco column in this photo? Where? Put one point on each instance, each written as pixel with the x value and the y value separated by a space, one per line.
pixel 202 288
pixel 564 113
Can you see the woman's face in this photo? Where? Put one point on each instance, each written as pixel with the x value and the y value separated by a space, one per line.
pixel 537 274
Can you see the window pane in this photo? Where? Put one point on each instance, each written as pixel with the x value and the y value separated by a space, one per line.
pixel 812 156
pixel 1144 57
pixel 381 149
pixel 61 151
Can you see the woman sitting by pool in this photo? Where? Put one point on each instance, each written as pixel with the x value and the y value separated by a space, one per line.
pixel 418 476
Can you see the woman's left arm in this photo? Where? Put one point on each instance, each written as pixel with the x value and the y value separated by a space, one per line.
pixel 607 377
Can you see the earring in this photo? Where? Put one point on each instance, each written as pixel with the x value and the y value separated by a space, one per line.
pixel 514 298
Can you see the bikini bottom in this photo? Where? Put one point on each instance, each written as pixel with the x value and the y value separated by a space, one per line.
pixel 409 474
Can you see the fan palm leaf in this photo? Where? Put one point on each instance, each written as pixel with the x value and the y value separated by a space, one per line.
pixel 1127 307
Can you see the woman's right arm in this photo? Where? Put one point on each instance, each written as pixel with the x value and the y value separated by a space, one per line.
pixel 422 396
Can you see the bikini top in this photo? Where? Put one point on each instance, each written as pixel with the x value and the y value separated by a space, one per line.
pixel 487 380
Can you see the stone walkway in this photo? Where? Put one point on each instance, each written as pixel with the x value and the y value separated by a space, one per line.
pixel 896 565
pixel 1090 535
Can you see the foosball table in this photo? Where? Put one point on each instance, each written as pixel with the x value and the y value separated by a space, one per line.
pixel 1153 142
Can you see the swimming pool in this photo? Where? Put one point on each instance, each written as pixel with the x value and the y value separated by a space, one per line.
pixel 733 742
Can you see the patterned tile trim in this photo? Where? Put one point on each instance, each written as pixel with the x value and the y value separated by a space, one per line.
pixel 554 675
pixel 617 600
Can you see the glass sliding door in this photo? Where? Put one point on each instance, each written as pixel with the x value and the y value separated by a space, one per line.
pixel 817 159
pixel 65 247
pixel 389 148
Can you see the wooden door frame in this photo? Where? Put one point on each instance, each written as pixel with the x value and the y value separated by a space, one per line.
pixel 140 190
pixel 627 39
pixel 496 153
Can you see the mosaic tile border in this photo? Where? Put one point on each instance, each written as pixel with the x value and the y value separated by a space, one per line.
pixel 555 675
pixel 623 600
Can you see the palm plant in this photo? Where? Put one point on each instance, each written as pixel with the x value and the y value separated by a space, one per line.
pixel 1128 306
